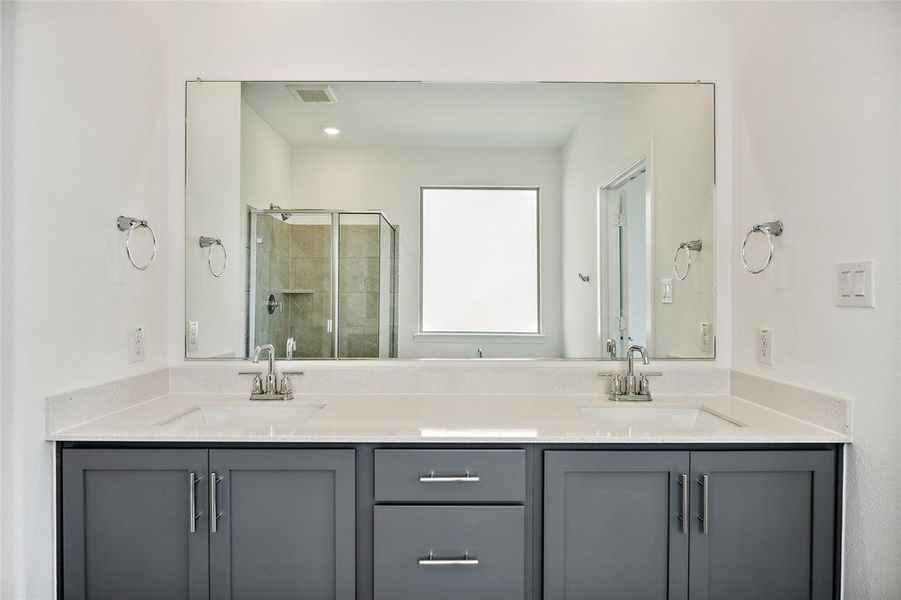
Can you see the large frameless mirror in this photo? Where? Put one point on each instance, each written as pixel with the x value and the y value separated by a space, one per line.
pixel 381 220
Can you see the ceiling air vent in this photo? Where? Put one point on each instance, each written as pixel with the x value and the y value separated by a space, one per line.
pixel 313 94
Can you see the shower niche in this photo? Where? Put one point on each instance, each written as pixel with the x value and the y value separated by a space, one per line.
pixel 322 284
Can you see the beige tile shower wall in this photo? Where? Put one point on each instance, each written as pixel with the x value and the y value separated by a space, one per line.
pixel 311 250
pixel 358 291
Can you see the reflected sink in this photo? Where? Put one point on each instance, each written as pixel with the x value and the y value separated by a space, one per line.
pixel 276 418
pixel 658 419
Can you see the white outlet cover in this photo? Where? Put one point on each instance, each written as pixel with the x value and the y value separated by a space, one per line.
pixel 193 335
pixel 135 344
pixel 765 346
pixel 706 337
pixel 854 284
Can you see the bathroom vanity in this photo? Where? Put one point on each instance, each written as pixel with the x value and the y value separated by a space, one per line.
pixel 392 497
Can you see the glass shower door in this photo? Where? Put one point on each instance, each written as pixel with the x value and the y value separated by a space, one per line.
pixel 358 285
pixel 291 283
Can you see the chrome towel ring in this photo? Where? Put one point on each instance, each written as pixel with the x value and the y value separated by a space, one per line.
pixel 770 230
pixel 209 242
pixel 689 247
pixel 130 224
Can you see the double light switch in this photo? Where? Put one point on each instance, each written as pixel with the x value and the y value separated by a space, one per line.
pixel 854 284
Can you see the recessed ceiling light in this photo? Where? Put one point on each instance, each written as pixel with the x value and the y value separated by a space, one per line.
pixel 333 131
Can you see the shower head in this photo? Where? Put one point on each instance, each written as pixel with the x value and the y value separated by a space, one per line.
pixel 285 216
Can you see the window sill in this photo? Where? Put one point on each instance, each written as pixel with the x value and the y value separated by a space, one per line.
pixel 500 338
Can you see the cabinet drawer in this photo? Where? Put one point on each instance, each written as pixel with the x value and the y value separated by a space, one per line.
pixel 449 552
pixel 450 476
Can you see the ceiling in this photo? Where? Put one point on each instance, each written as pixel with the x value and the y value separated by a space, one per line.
pixel 489 115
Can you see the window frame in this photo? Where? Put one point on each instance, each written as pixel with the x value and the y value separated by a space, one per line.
pixel 424 334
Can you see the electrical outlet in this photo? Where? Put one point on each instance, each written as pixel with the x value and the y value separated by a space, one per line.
pixel 706 337
pixel 136 344
pixel 193 335
pixel 765 346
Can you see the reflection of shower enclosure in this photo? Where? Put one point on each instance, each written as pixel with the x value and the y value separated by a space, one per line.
pixel 323 284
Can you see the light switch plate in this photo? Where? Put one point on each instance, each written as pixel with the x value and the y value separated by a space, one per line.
pixel 136 344
pixel 666 291
pixel 854 284
pixel 765 346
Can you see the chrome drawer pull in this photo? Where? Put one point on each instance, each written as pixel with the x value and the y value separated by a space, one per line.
pixel 214 510
pixel 193 513
pixel 432 478
pixel 683 508
pixel 704 517
pixel 431 561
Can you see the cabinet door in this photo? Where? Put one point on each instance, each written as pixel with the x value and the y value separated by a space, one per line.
pixel 129 529
pixel 763 525
pixel 285 527
pixel 614 525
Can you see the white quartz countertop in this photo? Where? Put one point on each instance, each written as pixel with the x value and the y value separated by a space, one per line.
pixel 445 418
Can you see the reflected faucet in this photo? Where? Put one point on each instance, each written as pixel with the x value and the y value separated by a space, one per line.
pixel 611 348
pixel 628 387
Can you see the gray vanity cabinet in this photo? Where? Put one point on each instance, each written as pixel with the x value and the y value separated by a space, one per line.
pixel 769 525
pixel 127 525
pixel 285 527
pixel 612 526
pixel 760 524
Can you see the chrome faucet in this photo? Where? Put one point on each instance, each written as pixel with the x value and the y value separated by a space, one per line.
pixel 629 387
pixel 273 387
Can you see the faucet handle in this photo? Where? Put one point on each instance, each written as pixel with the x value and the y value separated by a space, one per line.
pixel 616 385
pixel 257 384
pixel 284 385
pixel 644 386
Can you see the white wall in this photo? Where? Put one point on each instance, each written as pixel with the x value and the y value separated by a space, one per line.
pixel 265 162
pixel 671 126
pixel 389 179
pixel 816 145
pixel 213 208
pixel 86 139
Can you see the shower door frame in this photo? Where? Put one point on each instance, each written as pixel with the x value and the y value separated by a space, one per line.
pixel 335 223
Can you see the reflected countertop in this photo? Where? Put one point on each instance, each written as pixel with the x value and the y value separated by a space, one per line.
pixel 448 418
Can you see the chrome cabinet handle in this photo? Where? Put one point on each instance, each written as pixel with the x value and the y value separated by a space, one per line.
pixel 214 511
pixel 704 517
pixel 193 514
pixel 432 478
pixel 683 507
pixel 466 561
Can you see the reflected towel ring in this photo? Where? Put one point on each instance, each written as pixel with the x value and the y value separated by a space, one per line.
pixel 689 247
pixel 770 230
pixel 130 224
pixel 209 242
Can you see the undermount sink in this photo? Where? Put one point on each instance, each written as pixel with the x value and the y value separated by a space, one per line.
pixel 256 418
pixel 657 419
